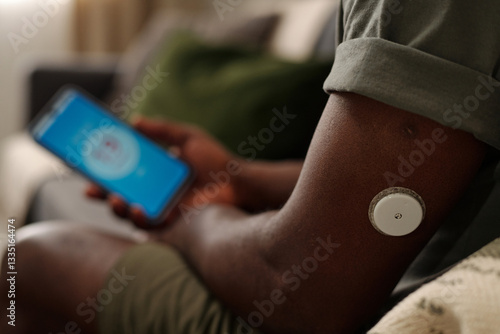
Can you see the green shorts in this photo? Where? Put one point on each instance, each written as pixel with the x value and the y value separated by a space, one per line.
pixel 154 291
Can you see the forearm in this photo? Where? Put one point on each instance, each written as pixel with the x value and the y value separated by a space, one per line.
pixel 227 248
pixel 245 262
pixel 266 185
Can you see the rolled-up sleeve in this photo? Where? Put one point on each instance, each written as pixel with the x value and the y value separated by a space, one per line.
pixel 438 59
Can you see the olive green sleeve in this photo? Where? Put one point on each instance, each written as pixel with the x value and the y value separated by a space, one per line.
pixel 438 59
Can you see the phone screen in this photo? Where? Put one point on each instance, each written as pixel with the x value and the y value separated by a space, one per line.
pixel 112 154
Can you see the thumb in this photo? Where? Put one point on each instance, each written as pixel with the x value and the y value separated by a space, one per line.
pixel 168 132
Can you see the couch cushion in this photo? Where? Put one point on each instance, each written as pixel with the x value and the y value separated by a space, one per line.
pixel 235 92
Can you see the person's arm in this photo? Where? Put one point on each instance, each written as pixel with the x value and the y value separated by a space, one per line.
pixel 265 185
pixel 317 265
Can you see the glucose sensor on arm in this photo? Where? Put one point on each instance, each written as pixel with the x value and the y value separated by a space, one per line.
pixel 396 211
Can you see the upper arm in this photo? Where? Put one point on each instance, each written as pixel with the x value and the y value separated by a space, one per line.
pixel 356 153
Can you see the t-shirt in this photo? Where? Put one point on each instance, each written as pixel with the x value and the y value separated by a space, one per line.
pixel 439 59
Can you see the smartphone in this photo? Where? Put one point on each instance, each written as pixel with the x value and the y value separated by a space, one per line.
pixel 91 140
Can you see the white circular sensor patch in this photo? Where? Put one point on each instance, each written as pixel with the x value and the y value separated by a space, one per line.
pixel 115 156
pixel 396 211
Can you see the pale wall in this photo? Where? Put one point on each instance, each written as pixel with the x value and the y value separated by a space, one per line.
pixel 52 39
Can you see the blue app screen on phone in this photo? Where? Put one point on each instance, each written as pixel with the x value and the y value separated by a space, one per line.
pixel 109 152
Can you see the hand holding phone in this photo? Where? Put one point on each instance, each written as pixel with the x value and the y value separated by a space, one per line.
pixel 215 168
pixel 146 183
pixel 110 153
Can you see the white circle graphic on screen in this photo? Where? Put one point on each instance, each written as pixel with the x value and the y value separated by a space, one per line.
pixel 115 156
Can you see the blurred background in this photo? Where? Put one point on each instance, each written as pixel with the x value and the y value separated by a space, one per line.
pixel 106 46
pixel 34 32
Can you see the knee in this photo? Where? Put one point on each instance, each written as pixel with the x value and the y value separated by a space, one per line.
pixel 30 241
pixel 32 253
pixel 41 233
pixel 37 283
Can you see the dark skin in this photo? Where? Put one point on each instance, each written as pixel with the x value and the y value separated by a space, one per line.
pixel 357 140
pixel 257 187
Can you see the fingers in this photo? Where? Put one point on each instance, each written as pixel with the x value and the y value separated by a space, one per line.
pixel 133 213
pixel 119 206
pixel 123 210
pixel 94 191
pixel 139 218
pixel 170 133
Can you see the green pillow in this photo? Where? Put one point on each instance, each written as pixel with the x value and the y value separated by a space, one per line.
pixel 237 95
